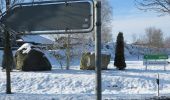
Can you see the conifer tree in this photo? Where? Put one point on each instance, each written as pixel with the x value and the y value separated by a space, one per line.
pixel 119 61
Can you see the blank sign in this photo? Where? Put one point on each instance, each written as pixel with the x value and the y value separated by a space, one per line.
pixel 51 17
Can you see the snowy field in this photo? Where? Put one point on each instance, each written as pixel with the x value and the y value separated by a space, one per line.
pixel 133 83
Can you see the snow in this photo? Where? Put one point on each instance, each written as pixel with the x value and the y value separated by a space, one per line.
pixel 59 84
pixel 75 83
pixel 25 48
pixel 43 39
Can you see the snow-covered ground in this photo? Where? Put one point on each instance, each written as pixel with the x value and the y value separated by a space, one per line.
pixel 74 84
pixel 59 84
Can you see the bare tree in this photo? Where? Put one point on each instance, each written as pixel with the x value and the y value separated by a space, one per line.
pixel 160 6
pixel 134 38
pixel 106 16
pixel 1 6
pixel 167 42
pixel 8 56
pixel 154 37
pixel 149 33
pixel 68 52
pixel 12 3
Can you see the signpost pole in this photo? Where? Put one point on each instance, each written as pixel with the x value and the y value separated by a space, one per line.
pixel 98 51
pixel 7 54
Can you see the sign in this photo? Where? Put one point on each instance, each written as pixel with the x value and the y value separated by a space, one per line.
pixel 154 57
pixel 73 16
pixel 155 62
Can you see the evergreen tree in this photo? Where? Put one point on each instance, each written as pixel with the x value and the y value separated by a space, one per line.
pixel 119 60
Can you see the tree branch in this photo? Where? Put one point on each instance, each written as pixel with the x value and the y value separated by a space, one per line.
pixel 160 6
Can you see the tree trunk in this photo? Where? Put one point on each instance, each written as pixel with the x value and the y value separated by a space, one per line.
pixel 7 54
pixel 68 53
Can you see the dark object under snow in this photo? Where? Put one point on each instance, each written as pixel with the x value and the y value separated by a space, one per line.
pixel 33 61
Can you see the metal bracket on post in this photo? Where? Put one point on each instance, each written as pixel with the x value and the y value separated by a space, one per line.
pixel 98 51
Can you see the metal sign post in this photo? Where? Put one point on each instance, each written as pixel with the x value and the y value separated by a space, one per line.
pixel 98 51
pixel 52 17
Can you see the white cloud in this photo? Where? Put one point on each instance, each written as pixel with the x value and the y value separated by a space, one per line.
pixel 136 25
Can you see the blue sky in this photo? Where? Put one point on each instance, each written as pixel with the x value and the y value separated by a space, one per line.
pixel 130 20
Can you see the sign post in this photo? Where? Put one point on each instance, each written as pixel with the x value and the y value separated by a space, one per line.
pixel 98 51
pixel 52 17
